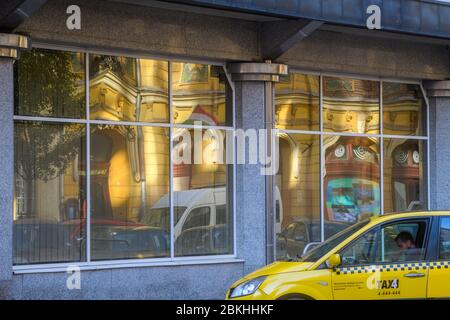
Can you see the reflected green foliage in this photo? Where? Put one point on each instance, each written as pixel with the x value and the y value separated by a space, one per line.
pixel 47 84
pixel 44 151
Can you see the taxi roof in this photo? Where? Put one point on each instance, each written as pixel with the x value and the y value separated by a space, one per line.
pixel 408 214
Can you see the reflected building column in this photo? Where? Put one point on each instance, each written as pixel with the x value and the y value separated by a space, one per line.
pixel 438 93
pixel 10 44
pixel 254 106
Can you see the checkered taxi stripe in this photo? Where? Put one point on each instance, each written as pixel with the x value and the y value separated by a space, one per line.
pixel 394 267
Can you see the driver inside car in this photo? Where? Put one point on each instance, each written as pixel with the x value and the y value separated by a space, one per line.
pixel 406 246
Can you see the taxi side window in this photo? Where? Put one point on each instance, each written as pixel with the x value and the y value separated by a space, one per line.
pixel 401 242
pixel 361 251
pixel 444 239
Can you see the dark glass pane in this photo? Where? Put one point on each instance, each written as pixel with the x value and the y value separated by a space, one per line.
pixel 50 194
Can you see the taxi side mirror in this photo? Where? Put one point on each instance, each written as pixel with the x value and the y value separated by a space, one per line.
pixel 334 260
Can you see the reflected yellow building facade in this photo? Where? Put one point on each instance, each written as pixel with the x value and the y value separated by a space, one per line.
pixel 130 146
pixel 347 138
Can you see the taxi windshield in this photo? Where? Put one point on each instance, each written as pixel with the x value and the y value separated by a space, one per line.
pixel 319 251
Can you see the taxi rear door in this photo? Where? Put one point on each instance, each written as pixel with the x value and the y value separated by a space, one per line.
pixel 439 273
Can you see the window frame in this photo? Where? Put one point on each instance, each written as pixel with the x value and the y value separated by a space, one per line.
pixel 173 259
pixel 427 240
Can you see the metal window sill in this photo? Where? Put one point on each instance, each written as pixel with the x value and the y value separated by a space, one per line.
pixel 121 264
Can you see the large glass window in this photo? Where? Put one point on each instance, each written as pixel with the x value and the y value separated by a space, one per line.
pixel 100 177
pixel 348 149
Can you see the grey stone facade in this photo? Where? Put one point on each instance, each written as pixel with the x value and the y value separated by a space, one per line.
pixel 439 146
pixel 6 174
pixel 250 184
pixel 169 282
pixel 113 27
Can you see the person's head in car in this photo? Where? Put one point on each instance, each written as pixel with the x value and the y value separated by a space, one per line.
pixel 405 241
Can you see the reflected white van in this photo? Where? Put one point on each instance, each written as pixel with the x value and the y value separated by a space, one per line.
pixel 198 208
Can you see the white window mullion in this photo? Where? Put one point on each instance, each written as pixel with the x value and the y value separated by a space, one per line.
pixel 381 144
pixel 321 162
pixel 171 177
pixel 88 164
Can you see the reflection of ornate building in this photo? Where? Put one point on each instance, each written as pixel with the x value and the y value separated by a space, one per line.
pixel 298 176
pixel 137 90
pixel 297 102
pixel 128 89
pixel 198 94
pixel 402 109
pixel 351 105
pixel 352 176
pixel 402 175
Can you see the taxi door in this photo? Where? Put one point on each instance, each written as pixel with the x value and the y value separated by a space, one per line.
pixel 439 273
pixel 373 267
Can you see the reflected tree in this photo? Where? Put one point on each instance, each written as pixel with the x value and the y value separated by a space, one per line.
pixel 46 85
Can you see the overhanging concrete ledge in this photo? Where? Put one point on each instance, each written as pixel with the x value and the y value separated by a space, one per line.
pixel 438 88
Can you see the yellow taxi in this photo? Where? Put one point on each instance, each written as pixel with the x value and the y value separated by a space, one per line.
pixel 395 256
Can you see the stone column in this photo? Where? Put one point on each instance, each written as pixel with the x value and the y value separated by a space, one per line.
pixel 438 93
pixel 254 194
pixel 9 46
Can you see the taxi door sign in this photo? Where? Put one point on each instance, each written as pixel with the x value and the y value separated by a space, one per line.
pixel 388 284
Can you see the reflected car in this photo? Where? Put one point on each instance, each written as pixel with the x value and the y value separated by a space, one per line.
pixel 293 239
pixel 128 242
pixel 122 239
pixel 37 241
pixel 392 256
pixel 40 241
pixel 203 240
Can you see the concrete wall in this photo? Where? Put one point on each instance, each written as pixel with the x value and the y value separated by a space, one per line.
pixel 338 52
pixel 440 153
pixel 153 30
pixel 171 283
pixel 6 174
pixel 115 26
